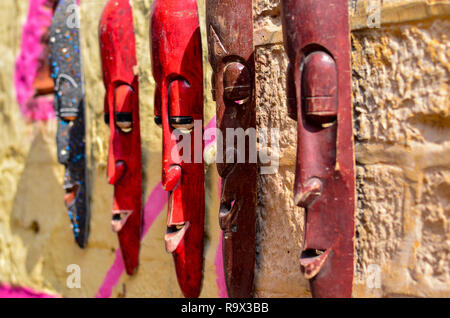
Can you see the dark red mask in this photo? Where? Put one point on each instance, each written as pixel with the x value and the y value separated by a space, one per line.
pixel 230 41
pixel 317 41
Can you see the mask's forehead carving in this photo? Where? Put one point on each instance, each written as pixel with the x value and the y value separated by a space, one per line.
pixel 118 44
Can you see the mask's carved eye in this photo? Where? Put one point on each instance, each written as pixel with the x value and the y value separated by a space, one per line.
pixel 158 121
pixel 122 108
pixel 237 83
pixel 319 89
pixel 183 123
pixel 124 121
pixel 228 215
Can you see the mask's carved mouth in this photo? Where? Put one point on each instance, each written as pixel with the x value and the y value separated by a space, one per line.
pixel 174 235
pixel 312 260
pixel 119 218
pixel 71 194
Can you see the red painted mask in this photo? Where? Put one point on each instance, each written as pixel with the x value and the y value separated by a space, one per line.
pixel 177 69
pixel 230 41
pixel 117 44
pixel 318 45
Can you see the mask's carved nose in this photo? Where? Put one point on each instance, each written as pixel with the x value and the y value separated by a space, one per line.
pixel 172 178
pixel 227 216
pixel 309 193
pixel 236 83
pixel 118 172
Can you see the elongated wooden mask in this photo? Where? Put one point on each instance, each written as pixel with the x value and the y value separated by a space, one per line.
pixel 230 42
pixel 178 72
pixel 66 68
pixel 317 41
pixel 118 52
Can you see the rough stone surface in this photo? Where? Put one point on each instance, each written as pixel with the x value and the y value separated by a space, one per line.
pixel 280 222
pixel 402 129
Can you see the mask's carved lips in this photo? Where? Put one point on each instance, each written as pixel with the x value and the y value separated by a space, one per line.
pixel 71 193
pixel 174 235
pixel 119 219
pixel 312 260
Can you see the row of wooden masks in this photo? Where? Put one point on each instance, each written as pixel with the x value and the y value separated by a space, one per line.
pixel 319 98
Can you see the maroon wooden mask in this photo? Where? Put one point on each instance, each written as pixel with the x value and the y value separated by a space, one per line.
pixel 230 41
pixel 318 45
pixel 178 72
pixel 117 44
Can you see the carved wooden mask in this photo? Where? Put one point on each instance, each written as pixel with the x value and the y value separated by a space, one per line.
pixel 120 76
pixel 178 72
pixel 66 67
pixel 318 45
pixel 230 41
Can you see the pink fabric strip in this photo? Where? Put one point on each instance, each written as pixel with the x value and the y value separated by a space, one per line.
pixel 7 291
pixel 153 208
pixel 218 262
pixel 38 21
pixel 220 272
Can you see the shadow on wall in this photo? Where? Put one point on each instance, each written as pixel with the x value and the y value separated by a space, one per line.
pixel 36 208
